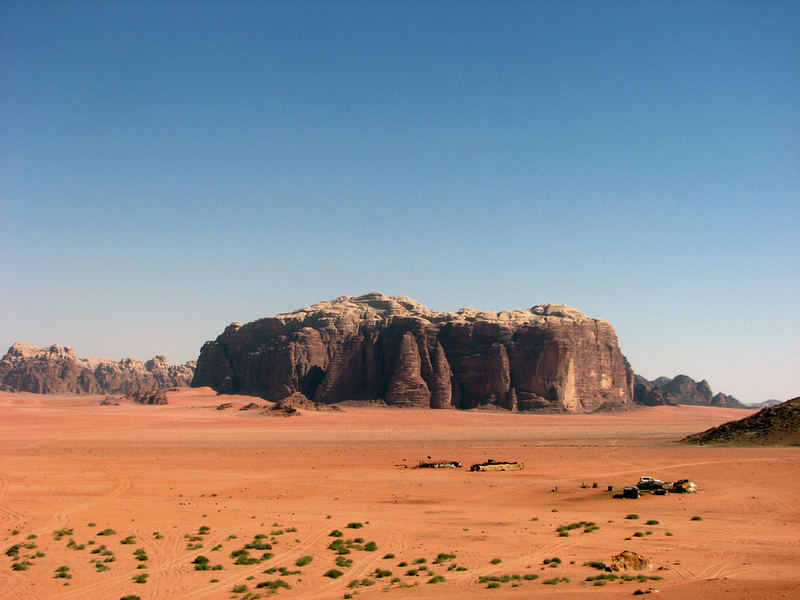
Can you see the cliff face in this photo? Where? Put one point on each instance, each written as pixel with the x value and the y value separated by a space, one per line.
pixel 681 389
pixel 550 357
pixel 57 370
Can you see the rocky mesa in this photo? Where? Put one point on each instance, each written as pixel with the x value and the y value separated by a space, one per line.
pixel 57 370
pixel 549 357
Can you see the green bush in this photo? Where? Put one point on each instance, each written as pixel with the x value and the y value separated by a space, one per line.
pixel 274 585
pixel 697 518
pixel 106 532
pixel 436 579
pixel 355 525
pixel 303 561
pixel 652 522
pixel 333 574
pixel 632 516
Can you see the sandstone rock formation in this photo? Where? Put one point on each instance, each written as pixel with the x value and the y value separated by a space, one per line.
pixel 777 425
pixel 630 561
pixel 157 397
pixel 549 357
pixel 57 370
pixel 679 390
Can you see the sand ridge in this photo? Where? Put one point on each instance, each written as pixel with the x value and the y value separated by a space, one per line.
pixel 160 473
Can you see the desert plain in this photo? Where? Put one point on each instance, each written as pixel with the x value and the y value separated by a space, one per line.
pixel 103 502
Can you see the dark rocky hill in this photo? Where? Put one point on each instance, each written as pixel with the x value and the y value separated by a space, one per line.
pixel 549 357
pixel 57 370
pixel 680 390
pixel 777 425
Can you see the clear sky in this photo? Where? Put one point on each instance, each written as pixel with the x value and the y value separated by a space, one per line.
pixel 167 168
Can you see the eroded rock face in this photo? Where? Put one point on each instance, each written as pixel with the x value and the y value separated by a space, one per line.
pixel 57 370
pixel 681 389
pixel 549 357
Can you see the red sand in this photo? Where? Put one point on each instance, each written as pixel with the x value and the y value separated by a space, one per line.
pixel 66 462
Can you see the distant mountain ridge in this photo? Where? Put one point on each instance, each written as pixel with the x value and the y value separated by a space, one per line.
pixel 681 389
pixel 775 425
pixel 57 370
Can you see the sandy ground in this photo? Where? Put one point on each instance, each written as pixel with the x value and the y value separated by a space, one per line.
pixel 160 473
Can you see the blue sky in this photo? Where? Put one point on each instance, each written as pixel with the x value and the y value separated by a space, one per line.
pixel 170 167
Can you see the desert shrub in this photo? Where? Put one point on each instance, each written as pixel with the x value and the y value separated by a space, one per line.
pixel 595 564
pixel 492 584
pixel 530 577
pixel 669 533
pixel 107 532
pixel 651 522
pixel 341 561
pixel 443 557
pixel 140 554
pixel 131 539
pixel 205 529
pixel 355 525
pixel 697 518
pixel 21 565
pixel 335 533
pixel 274 585
pixel 556 580
pixel 129 597
pixel 402 564
pixel 62 573
pixel 333 573
pixel 436 579
pixel 379 573
pixel 388 556
pixel 552 561
pixel 142 578
pixel 303 561
pixel 420 561
pixel 632 516
pixel 496 561
pixel 239 589
pixel 638 534
pixel 370 546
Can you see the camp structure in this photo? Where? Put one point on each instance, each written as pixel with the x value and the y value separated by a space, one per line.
pixel 497 465
pixel 439 464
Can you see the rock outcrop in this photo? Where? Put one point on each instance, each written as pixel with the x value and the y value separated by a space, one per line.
pixel 371 347
pixel 630 561
pixel 777 425
pixel 57 370
pixel 679 390
pixel 155 397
